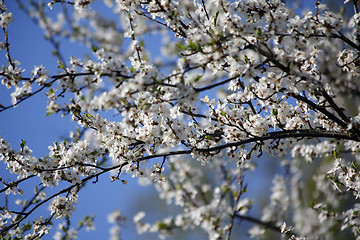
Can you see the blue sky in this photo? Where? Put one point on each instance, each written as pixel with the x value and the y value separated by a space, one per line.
pixel 28 122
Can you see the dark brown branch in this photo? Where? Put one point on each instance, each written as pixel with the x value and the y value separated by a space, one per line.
pixel 77 164
pixel 15 183
pixel 55 78
pixel 7 47
pixel 33 199
pixel 68 189
pixel 26 97
pixel 347 40
pixel 323 110
pixel 268 225
pixel 268 55
pixel 301 133
pixel 335 106
pixel 216 84
pixel 206 13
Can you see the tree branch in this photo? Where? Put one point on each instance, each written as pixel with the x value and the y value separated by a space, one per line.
pixel 268 225
pixel 301 133
pixel 216 84
pixel 68 189
pixel 323 110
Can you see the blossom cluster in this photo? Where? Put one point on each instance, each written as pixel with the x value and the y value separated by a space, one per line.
pixel 236 84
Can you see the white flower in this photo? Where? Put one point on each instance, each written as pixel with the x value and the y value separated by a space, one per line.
pixel 89 223
pixel 5 19
pixel 81 5
pixel 138 217
pixel 256 232
pixel 114 216
pixel 61 206
pixel 244 205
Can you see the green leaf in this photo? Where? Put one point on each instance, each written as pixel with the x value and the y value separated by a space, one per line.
pixel 22 144
pixel 51 91
pixel 354 165
pixel 246 59
pixel 207 137
pixel 222 113
pixel 61 65
pixel 180 46
pixel 87 115
pixel 94 48
pixel 225 189
pixel 216 17
pixel 242 85
pixel 80 223
pixel 258 32
pixel 198 77
pixel 239 209
pixel 216 221
pixel 94 153
pixel 235 194
pixel 194 46
pixel 26 227
pixel 162 225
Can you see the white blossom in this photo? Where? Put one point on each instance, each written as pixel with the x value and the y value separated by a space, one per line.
pixel 5 19
pixel 225 87
pixel 62 206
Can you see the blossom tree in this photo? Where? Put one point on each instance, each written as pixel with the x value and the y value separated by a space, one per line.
pixel 236 81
